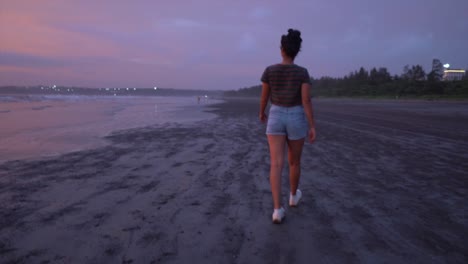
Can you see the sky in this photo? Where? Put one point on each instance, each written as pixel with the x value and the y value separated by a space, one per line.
pixel 219 45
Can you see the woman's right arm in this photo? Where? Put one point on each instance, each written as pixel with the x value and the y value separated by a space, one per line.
pixel 264 101
pixel 307 104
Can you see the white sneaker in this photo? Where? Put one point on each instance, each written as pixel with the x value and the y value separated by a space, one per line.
pixel 278 215
pixel 294 199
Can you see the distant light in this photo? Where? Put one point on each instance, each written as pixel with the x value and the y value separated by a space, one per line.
pixel 155 88
pixel 455 71
pixel 107 89
pixel 127 89
pixel 447 66
pixel 206 96
pixel 134 89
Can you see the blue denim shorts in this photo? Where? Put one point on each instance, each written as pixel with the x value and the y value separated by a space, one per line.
pixel 288 121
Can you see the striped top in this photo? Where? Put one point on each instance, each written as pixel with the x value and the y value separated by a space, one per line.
pixel 285 82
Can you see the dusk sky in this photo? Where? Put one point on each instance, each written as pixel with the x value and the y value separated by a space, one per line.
pixel 214 44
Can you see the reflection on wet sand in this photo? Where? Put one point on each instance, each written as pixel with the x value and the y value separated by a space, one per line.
pixel 37 128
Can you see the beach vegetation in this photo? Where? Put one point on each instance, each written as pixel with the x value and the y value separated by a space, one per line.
pixel 413 82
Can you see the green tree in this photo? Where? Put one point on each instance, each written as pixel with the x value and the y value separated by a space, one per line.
pixel 418 73
pixel 373 76
pixel 384 75
pixel 407 72
pixel 415 73
pixel 433 84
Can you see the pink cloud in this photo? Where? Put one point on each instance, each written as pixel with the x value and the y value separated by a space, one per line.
pixel 27 34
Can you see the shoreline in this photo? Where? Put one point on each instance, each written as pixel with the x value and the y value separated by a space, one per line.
pixel 56 127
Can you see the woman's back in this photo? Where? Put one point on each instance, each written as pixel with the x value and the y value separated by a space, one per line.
pixel 285 81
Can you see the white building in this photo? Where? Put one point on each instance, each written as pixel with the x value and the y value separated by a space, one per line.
pixel 453 74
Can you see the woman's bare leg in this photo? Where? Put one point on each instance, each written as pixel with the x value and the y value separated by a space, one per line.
pixel 276 143
pixel 294 160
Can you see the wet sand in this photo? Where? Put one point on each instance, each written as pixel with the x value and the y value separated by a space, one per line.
pixel 39 127
pixel 386 182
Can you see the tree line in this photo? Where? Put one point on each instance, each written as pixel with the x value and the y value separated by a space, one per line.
pixel 377 82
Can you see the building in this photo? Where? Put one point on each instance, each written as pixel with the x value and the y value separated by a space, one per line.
pixel 453 74
pixel 437 69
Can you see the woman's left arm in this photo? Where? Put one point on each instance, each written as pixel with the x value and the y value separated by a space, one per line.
pixel 264 101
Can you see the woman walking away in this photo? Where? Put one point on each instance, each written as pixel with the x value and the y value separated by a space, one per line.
pixel 290 118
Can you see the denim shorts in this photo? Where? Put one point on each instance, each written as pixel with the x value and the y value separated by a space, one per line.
pixel 288 121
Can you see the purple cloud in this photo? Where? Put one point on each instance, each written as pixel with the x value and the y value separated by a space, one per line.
pixel 220 45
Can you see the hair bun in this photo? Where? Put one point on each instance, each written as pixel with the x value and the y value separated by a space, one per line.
pixel 294 33
pixel 291 43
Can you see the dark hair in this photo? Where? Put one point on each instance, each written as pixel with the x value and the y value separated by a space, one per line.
pixel 291 43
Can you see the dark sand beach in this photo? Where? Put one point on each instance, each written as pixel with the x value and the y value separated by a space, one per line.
pixel 385 182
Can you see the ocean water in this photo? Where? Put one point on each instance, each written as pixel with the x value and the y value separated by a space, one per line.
pixel 33 126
